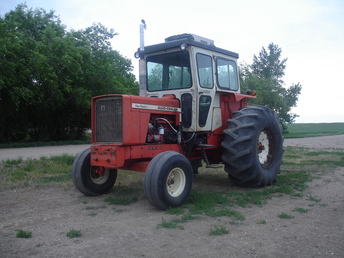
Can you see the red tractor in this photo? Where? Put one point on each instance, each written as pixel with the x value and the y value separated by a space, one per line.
pixel 189 109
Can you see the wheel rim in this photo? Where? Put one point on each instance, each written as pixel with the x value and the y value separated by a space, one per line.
pixel 99 175
pixel 175 182
pixel 264 148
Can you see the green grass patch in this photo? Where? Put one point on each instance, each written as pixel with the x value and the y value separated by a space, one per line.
pixel 125 189
pixel 313 199
pixel 35 172
pixel 176 211
pixel 23 234
pixel 218 231
pixel 201 202
pixel 169 224
pixel 118 210
pixel 285 216
pixel 95 207
pixel 73 233
pixel 12 162
pixel 263 222
pixel 185 218
pixel 63 159
pixel 301 210
pixel 174 223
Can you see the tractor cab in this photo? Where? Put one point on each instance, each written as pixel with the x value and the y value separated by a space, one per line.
pixel 193 70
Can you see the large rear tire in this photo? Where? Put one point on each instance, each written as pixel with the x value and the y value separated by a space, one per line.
pixel 92 180
pixel 253 147
pixel 168 180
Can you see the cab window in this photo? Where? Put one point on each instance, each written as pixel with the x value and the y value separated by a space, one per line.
pixel 204 106
pixel 168 71
pixel 205 70
pixel 227 76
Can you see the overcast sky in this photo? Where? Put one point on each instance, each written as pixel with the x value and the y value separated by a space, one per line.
pixel 309 32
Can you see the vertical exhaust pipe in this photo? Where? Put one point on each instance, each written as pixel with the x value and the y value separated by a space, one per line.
pixel 142 62
pixel 143 26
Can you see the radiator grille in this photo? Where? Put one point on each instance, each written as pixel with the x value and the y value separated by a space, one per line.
pixel 108 119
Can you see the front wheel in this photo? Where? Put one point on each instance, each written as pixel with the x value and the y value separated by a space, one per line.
pixel 92 180
pixel 168 180
pixel 253 146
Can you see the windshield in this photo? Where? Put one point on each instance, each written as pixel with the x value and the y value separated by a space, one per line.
pixel 169 71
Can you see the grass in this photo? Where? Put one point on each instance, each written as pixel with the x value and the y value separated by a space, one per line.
pixel 312 130
pixel 169 224
pixel 23 234
pixel 20 172
pixel 95 207
pixel 219 231
pixel 125 194
pixel 263 222
pixel 301 210
pixel 285 216
pixel 313 199
pixel 73 233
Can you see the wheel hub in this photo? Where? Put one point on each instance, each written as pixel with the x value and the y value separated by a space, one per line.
pixel 99 175
pixel 175 182
pixel 263 148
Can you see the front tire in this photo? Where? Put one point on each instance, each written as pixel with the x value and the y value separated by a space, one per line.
pixel 253 147
pixel 92 180
pixel 168 180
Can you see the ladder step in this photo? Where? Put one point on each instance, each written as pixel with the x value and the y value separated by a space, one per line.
pixel 213 166
pixel 204 145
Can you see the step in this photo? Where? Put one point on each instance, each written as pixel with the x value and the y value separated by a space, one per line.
pixel 213 166
pixel 204 145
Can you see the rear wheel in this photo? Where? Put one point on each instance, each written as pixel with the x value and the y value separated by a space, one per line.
pixel 92 180
pixel 253 147
pixel 168 180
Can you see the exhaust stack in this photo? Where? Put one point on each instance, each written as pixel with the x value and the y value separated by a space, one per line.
pixel 143 26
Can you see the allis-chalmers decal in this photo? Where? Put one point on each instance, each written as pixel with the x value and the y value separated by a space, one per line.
pixel 155 107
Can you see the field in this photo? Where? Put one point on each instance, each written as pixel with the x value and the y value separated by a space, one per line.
pixel 312 130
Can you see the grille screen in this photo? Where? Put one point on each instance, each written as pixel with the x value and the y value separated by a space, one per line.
pixel 108 118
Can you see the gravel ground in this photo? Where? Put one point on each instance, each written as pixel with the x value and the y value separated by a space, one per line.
pixel 131 231
pixel 37 152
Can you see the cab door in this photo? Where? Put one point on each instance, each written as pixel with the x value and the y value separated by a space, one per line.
pixel 205 81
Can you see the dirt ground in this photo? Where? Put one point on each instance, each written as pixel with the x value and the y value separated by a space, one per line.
pixel 131 231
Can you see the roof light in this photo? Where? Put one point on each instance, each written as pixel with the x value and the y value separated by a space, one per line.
pixel 183 46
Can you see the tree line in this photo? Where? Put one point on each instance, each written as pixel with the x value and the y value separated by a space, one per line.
pixel 48 75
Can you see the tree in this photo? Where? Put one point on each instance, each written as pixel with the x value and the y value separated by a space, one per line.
pixel 48 75
pixel 264 76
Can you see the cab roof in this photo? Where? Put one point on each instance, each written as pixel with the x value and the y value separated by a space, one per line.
pixel 190 40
